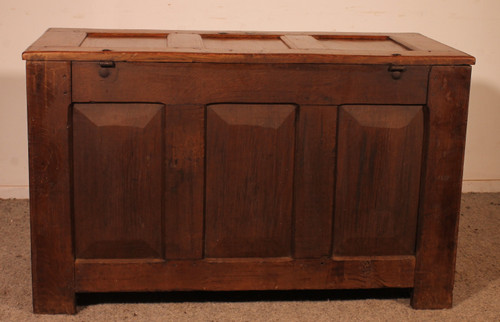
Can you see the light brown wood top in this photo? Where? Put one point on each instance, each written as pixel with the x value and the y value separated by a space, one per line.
pixel 243 47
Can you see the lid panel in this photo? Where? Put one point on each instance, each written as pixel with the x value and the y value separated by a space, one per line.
pixel 103 41
pixel 243 47
pixel 274 44
pixel 368 44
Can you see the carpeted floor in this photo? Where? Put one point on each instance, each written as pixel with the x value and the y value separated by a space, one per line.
pixel 477 286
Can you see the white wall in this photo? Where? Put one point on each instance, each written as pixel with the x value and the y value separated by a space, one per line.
pixel 472 26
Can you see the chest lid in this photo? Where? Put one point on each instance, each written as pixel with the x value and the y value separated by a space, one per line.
pixel 243 47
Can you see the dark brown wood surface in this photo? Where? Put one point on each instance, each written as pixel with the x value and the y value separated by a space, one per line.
pixel 441 187
pixel 378 176
pixel 184 180
pixel 314 181
pixel 49 98
pixel 244 274
pixel 252 167
pixel 117 178
pixel 242 47
pixel 306 84
pixel 249 180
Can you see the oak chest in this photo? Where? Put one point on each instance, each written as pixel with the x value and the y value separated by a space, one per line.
pixel 168 160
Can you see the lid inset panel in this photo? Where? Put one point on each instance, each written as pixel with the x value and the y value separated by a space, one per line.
pixel 60 44
pixel 184 40
pixel 369 43
pixel 255 43
pixel 114 41
pixel 243 42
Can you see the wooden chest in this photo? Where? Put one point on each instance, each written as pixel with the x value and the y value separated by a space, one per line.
pixel 243 161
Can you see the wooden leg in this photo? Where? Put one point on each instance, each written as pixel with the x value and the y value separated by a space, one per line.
pixel 441 187
pixel 49 99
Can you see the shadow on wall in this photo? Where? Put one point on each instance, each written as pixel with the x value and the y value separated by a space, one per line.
pixel 482 151
pixel 13 137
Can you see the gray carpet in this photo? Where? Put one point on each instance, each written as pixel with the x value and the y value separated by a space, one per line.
pixel 477 286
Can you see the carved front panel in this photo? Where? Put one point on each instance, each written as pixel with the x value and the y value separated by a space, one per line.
pixel 378 179
pixel 118 169
pixel 249 178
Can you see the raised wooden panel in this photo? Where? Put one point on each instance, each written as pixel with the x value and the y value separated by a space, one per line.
pixel 378 179
pixel 184 181
pixel 118 157
pixel 314 181
pixel 249 178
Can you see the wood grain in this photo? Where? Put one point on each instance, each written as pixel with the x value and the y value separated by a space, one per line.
pixel 118 158
pixel 245 274
pixel 239 44
pixel 306 84
pixel 249 180
pixel 418 43
pixel 370 45
pixel 249 47
pixel 249 56
pixel 130 42
pixel 56 38
pixel 52 257
pixel 264 161
pixel 184 180
pixel 314 181
pixel 441 187
pixel 378 179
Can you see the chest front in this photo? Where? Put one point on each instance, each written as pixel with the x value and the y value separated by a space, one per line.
pixel 184 161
